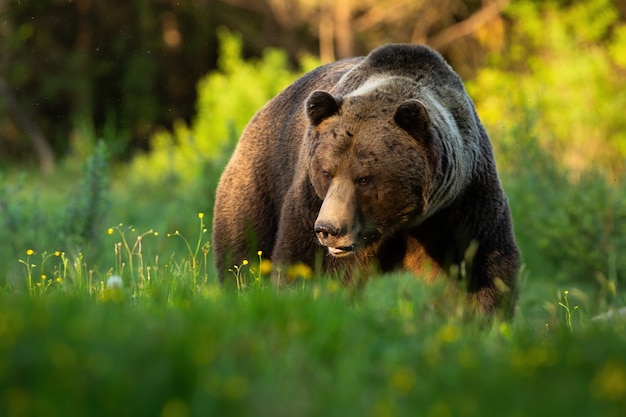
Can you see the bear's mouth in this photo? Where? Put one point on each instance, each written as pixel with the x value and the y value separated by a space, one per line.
pixel 341 251
pixel 362 242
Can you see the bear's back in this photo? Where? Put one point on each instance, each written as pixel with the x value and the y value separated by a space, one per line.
pixel 413 61
pixel 417 62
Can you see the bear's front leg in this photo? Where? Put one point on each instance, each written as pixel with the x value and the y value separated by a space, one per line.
pixel 296 241
pixel 493 284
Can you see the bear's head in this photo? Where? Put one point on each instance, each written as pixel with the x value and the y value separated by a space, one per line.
pixel 373 160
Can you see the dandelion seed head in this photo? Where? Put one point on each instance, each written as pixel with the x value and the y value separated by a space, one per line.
pixel 115 281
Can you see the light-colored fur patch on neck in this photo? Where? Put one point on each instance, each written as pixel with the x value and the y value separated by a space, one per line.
pixel 397 85
pixel 461 151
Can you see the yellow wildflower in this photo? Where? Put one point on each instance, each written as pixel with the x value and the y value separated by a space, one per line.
pixel 110 231
pixel 265 267
pixel 30 252
pixel 245 262
pixel 59 280
pixel 610 381
pixel 201 215
pixel 299 270
pixel 57 253
pixel 43 277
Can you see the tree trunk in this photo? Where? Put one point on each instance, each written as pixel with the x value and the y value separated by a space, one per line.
pixel 343 28
pixel 29 127
pixel 327 33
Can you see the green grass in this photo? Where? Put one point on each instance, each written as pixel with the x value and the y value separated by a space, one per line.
pixel 174 343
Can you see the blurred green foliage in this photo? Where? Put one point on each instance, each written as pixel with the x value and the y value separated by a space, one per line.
pixel 553 103
pixel 401 348
pixel 569 230
pixel 562 77
pixel 91 200
pixel 227 99
pixel 40 218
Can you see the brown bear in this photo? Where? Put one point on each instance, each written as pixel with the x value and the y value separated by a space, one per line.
pixel 376 162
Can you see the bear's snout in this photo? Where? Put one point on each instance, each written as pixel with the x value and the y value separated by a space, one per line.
pixel 335 226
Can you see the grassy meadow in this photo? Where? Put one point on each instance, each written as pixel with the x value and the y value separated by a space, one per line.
pixel 169 341
pixel 165 339
pixel 109 304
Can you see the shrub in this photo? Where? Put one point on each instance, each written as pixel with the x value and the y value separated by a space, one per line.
pixel 87 207
pixel 37 218
pixel 227 99
pixel 568 229
pixel 565 66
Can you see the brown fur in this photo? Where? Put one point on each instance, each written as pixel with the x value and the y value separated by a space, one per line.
pixel 379 160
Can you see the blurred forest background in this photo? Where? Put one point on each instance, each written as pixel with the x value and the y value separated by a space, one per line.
pixel 133 66
pixel 126 111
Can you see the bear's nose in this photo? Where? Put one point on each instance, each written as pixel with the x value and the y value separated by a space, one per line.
pixel 324 230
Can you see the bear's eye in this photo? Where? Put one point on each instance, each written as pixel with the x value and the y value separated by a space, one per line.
pixel 363 180
pixel 326 175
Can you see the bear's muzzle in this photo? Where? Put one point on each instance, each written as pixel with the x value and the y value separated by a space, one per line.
pixel 336 226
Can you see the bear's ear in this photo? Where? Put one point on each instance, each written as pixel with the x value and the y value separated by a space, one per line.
pixel 321 105
pixel 413 117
